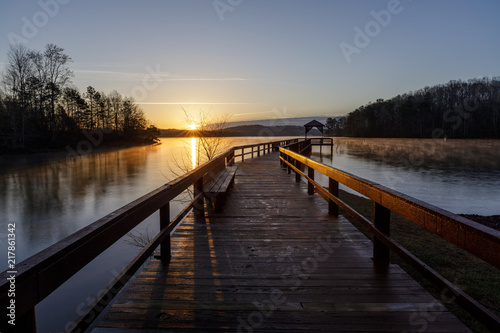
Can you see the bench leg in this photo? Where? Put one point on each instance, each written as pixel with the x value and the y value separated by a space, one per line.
pixel 220 201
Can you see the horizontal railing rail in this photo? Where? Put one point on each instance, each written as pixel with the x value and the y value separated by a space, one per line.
pixel 38 276
pixel 479 240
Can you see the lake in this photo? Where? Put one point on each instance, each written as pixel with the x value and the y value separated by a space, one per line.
pixel 49 197
pixel 461 176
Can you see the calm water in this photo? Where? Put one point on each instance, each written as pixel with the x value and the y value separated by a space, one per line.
pixel 50 197
pixel 461 176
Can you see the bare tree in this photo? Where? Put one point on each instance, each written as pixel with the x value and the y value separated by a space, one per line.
pixel 92 97
pixel 38 105
pixel 210 131
pixel 116 101
pixel 133 117
pixel 209 135
pixel 52 69
pixel 16 80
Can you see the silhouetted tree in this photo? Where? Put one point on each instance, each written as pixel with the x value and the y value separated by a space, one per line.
pixel 38 107
pixel 458 109
pixel 51 66
pixel 335 126
pixel 16 80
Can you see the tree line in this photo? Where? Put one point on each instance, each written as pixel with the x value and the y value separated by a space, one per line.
pixel 458 109
pixel 40 108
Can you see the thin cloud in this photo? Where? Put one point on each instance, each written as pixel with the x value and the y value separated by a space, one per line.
pixel 251 113
pixel 171 78
pixel 130 74
pixel 191 103
pixel 164 75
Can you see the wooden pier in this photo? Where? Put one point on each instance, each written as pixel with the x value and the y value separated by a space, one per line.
pixel 273 260
pixel 274 256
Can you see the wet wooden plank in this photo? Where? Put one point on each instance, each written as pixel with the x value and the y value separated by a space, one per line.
pixel 273 260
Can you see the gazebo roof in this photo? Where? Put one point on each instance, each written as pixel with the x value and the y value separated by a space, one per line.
pixel 310 125
pixel 314 123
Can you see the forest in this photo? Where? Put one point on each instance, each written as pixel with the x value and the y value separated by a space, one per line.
pixel 41 110
pixel 458 109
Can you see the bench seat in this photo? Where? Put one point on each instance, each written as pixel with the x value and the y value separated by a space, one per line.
pixel 216 190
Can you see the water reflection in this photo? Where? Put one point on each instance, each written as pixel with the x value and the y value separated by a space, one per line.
pixel 194 153
pixel 48 202
pixel 458 175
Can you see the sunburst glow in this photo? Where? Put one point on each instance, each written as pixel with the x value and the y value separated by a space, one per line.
pixel 192 127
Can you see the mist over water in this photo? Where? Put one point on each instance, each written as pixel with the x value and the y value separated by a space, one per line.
pixel 461 176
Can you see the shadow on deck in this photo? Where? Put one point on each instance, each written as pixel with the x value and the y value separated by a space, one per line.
pixel 273 260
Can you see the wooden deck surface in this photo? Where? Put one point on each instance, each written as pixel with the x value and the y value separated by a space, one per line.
pixel 273 260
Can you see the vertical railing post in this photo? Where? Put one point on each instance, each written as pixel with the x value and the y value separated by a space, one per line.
pixel 199 206
pixel 310 186
pixel 382 221
pixel 258 150
pixel 297 174
pixel 165 251
pixel 289 168
pixel 243 154
pixel 333 188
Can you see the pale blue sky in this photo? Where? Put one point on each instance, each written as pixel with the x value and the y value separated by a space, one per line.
pixel 260 59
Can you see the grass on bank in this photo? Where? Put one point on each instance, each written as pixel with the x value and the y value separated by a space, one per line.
pixel 477 278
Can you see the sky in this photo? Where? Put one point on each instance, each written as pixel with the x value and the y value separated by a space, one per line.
pixel 259 59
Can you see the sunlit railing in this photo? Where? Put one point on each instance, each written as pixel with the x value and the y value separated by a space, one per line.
pixel 479 240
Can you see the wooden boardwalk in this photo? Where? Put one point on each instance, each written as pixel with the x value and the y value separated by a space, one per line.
pixel 273 260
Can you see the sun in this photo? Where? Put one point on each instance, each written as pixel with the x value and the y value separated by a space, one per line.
pixel 192 127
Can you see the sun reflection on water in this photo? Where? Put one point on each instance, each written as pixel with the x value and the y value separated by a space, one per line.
pixel 194 153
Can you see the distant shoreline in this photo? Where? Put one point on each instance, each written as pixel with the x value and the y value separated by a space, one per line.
pixel 14 160
pixel 104 145
pixel 246 131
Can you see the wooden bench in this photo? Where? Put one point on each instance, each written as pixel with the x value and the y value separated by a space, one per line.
pixel 216 190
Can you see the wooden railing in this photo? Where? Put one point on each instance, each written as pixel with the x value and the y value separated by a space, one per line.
pixel 473 237
pixel 38 276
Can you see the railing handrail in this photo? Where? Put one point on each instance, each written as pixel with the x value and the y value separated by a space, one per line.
pixel 39 275
pixel 477 239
